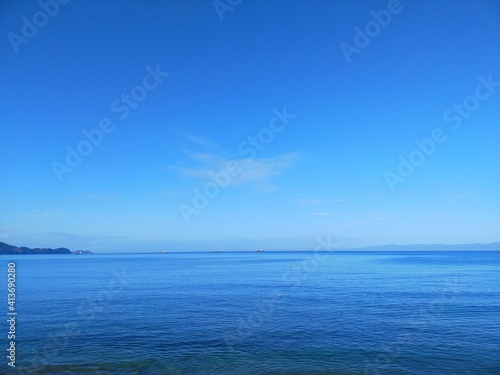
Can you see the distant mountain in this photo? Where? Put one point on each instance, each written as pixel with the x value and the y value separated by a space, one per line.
pixel 9 249
pixel 435 247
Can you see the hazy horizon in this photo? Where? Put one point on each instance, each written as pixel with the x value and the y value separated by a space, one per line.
pixel 322 244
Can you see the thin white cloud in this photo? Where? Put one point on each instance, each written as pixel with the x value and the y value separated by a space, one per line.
pixel 323 213
pixel 261 170
pixel 200 141
pixel 249 171
pixel 204 157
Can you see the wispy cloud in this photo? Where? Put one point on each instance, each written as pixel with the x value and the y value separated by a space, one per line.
pixel 192 138
pixel 323 213
pixel 261 170
pixel 250 171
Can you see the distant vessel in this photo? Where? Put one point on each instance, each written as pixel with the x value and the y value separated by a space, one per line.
pixel 216 251
pixel 259 251
pixel 164 251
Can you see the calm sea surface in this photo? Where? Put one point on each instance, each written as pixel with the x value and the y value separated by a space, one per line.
pixel 255 313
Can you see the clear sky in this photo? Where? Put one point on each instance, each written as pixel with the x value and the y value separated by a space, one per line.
pixel 117 115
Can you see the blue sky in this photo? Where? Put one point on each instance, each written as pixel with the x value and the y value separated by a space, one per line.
pixel 174 92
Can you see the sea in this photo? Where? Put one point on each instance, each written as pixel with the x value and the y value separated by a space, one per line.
pixel 419 313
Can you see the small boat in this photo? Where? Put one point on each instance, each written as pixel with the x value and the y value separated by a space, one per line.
pixel 216 251
pixel 164 252
pixel 259 251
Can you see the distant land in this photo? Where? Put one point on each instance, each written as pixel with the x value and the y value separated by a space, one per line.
pixel 10 249
pixel 435 247
pixel 6 249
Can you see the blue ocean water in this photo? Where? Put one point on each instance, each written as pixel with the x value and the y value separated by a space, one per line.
pixel 256 313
